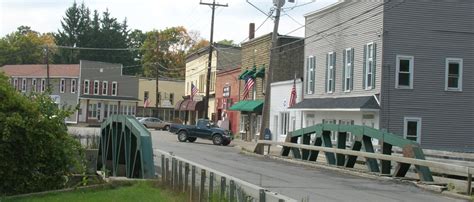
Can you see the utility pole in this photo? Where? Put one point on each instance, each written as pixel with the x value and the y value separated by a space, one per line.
pixel 157 91
pixel 47 67
pixel 211 41
pixel 269 75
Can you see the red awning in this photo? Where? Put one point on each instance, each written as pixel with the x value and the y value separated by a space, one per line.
pixel 184 105
pixel 195 106
pixel 178 105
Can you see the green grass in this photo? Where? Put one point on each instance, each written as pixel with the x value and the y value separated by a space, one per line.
pixel 140 191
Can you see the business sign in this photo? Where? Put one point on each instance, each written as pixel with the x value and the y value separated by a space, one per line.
pixel 226 91
pixel 198 98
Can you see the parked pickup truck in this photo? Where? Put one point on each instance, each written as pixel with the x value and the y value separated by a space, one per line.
pixel 204 130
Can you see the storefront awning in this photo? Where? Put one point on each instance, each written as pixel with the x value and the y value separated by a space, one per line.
pixel 339 104
pixel 242 76
pixel 248 72
pixel 178 105
pixel 248 106
pixel 184 105
pixel 195 106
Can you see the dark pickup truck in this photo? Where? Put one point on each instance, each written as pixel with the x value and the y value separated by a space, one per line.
pixel 204 130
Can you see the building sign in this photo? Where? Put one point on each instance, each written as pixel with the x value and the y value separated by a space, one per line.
pixel 198 98
pixel 226 91
pixel 166 103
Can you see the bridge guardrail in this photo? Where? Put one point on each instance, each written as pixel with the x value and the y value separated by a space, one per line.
pixel 449 169
pixel 230 188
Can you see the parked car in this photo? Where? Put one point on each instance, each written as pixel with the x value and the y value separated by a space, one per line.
pixel 203 129
pixel 151 122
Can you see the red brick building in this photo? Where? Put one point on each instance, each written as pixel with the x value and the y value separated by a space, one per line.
pixel 227 93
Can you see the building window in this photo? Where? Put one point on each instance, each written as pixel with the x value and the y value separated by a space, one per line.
pixel 213 81
pixel 15 83
pixel 369 66
pixel 34 85
pixel 86 87
pixel 105 86
pixel 347 73
pixel 92 113
pixel 453 80
pixel 244 123
pixel 43 85
pixel 412 129
pixel 284 122
pixel 404 74
pixel 114 88
pixel 145 94
pixel 310 67
pixel 171 98
pixel 96 87
pixel 330 76
pixel 23 85
pixel 73 86
pixel 62 86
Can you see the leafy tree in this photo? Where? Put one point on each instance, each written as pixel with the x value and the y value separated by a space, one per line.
pixel 227 42
pixel 37 152
pixel 25 46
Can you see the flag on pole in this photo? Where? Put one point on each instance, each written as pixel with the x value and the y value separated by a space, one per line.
pixel 194 90
pixel 293 94
pixel 146 102
pixel 249 83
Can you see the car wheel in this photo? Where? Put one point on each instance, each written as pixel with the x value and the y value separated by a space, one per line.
pixel 192 139
pixel 167 128
pixel 225 143
pixel 182 136
pixel 217 139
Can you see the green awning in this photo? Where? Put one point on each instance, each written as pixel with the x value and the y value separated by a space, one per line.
pixel 247 72
pixel 260 72
pixel 248 106
pixel 241 76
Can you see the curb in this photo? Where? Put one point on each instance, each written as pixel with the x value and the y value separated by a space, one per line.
pixel 361 173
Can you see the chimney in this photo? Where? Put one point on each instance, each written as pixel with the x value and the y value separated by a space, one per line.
pixel 251 31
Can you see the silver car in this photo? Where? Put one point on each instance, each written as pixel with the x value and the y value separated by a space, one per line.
pixel 151 122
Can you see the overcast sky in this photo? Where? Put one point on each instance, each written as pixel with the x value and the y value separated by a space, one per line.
pixel 230 22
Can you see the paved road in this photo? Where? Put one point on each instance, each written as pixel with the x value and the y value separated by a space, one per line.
pixel 292 180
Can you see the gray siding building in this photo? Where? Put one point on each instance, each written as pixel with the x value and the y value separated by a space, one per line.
pixel 400 66
pixel 64 81
pixel 104 91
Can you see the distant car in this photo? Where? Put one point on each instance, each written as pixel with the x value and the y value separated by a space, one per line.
pixel 204 130
pixel 138 118
pixel 151 122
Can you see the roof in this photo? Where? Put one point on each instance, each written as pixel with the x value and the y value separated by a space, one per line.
pixel 105 97
pixel 325 9
pixel 205 50
pixel 366 102
pixel 39 70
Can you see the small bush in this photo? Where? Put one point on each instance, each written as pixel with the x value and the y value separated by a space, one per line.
pixel 37 153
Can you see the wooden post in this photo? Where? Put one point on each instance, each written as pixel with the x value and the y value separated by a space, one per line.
pixel 211 185
pixel 469 184
pixel 261 195
pixel 203 185
pixel 186 177
pixel 223 185
pixel 167 166
pixel 180 176
pixel 193 182
pixel 231 190
pixel 173 161
pixel 163 169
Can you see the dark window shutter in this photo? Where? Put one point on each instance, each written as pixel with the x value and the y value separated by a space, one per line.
pixel 326 77
pixel 364 66
pixel 344 66
pixel 374 71
pixel 352 69
pixel 334 72
pixel 313 63
pixel 307 73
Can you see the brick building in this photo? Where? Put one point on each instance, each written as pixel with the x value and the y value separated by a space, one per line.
pixel 227 93
pixel 288 60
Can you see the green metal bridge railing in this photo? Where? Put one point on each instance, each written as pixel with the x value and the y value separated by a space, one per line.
pixel 125 148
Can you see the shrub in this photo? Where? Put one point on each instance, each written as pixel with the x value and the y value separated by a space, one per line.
pixel 36 152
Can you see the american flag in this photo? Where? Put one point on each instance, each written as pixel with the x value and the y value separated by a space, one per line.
pixel 146 102
pixel 293 94
pixel 194 90
pixel 249 82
